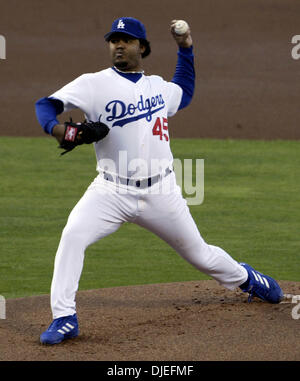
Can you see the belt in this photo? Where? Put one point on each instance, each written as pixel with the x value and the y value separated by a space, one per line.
pixel 141 184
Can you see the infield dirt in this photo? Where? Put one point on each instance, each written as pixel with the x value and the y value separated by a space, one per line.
pixel 190 321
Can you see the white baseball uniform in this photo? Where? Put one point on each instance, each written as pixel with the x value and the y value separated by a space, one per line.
pixel 137 148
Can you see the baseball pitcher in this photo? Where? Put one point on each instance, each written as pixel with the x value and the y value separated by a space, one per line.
pixel 126 118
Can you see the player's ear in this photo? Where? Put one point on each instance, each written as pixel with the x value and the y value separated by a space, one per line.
pixel 146 48
pixel 142 48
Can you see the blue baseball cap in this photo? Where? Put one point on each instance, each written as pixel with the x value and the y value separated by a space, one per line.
pixel 127 25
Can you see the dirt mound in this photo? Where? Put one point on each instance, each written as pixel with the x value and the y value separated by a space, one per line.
pixel 189 321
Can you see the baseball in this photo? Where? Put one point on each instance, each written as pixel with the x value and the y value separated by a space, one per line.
pixel 181 27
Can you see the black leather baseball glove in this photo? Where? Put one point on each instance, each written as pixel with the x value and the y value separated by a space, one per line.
pixel 82 133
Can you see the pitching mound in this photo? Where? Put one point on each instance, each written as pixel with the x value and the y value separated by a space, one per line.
pixel 190 321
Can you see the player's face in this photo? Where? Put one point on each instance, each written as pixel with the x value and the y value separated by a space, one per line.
pixel 126 52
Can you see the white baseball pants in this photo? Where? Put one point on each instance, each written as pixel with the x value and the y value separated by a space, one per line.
pixel 161 209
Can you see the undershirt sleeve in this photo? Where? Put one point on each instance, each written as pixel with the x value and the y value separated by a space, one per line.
pixel 185 75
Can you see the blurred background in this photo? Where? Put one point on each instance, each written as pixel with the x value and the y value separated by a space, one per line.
pixel 248 84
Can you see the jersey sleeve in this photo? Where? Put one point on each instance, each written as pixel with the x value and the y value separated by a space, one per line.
pixel 75 94
pixel 173 97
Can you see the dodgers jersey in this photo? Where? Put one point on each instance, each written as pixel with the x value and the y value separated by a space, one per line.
pixel 137 145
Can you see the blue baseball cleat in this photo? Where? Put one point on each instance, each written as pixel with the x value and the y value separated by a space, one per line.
pixel 261 286
pixel 60 329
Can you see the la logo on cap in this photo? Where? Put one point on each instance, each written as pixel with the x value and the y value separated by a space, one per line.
pixel 121 25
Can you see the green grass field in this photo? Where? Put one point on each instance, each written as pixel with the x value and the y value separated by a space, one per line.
pixel 251 209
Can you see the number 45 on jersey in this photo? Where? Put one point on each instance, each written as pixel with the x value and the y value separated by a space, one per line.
pixel 160 128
